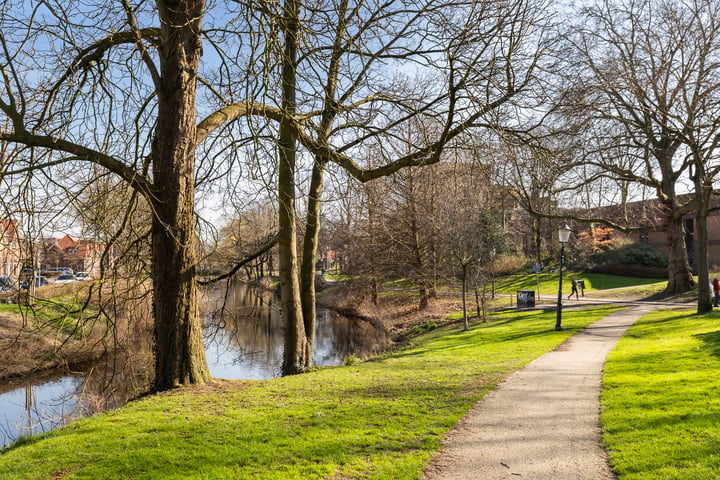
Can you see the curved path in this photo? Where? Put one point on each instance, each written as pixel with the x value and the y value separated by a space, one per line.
pixel 542 422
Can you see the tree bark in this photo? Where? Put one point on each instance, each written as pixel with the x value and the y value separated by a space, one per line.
pixel 703 193
pixel 312 224
pixel 295 353
pixel 466 325
pixel 310 246
pixel 417 253
pixel 679 273
pixel 179 350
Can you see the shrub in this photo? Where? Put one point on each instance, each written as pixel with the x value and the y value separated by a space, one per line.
pixel 630 259
pixel 632 254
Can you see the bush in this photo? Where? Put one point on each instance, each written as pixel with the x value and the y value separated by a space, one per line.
pixel 636 260
pixel 632 254
pixel 624 270
pixel 507 264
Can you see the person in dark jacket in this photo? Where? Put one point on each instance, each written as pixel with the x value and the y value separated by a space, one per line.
pixel 574 290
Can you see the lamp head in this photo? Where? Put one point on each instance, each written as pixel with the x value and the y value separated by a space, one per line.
pixel 564 233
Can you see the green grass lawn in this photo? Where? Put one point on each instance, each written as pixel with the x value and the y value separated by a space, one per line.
pixel 594 282
pixel 661 402
pixel 549 282
pixel 380 419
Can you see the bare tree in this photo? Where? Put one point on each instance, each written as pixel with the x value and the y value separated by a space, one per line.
pixel 109 91
pixel 476 59
pixel 645 73
pixel 470 231
pixel 247 233
pixel 117 87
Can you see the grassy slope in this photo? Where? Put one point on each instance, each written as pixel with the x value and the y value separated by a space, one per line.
pixel 380 419
pixel 549 282
pixel 661 409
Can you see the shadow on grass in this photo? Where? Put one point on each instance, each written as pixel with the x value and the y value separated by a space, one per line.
pixel 711 341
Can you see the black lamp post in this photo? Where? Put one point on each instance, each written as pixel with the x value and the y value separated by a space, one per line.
pixel 563 235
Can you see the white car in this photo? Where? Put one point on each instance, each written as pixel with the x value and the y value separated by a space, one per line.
pixel 65 278
pixel 83 276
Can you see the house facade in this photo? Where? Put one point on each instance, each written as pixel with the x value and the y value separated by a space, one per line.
pixel 79 254
pixel 649 214
pixel 11 250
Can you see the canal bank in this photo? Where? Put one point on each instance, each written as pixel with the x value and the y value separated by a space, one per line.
pixel 243 335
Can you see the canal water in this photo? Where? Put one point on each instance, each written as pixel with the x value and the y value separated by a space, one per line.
pixel 243 334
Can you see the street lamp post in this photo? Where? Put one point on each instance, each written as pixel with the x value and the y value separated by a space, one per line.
pixel 563 235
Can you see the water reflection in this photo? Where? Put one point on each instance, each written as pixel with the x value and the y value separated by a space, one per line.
pixel 243 333
pixel 30 406
pixel 36 408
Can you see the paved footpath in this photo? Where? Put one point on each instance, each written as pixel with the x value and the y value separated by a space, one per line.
pixel 542 422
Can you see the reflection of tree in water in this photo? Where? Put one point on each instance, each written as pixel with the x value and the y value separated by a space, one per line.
pixel 242 326
pixel 119 376
pixel 244 321
pixel 348 336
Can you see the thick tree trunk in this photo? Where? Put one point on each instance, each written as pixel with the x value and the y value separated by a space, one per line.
pixel 679 272
pixel 296 346
pixel 179 350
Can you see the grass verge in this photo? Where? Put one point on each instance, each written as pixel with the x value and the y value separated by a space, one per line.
pixel 660 404
pixel 379 419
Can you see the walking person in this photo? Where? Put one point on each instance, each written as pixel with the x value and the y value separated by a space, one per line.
pixel 716 292
pixel 574 290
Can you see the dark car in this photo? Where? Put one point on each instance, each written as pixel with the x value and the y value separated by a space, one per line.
pixel 40 281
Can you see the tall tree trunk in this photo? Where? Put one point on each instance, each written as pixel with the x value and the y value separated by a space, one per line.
pixel 312 224
pixel 418 257
pixel 466 325
pixel 679 272
pixel 310 246
pixel 703 193
pixel 296 347
pixel 477 299
pixel 179 350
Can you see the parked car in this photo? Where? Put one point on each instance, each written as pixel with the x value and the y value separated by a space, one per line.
pixel 40 281
pixel 65 278
pixel 83 276
pixel 7 284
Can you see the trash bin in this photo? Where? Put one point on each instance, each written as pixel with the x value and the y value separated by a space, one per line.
pixel 525 298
